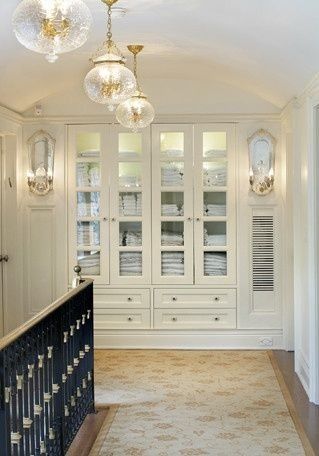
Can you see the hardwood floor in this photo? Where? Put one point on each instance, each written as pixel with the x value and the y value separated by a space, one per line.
pixel 87 434
pixel 308 413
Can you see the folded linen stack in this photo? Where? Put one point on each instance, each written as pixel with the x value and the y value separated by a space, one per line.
pixel 128 155
pixel 88 175
pixel 215 177
pixel 90 263
pixel 214 239
pixel 172 175
pixel 215 264
pixel 89 153
pixel 130 263
pixel 172 210
pixel 131 238
pixel 88 234
pixel 130 204
pixel 172 153
pixel 88 204
pixel 215 153
pixel 215 210
pixel 172 238
pixel 172 263
pixel 129 181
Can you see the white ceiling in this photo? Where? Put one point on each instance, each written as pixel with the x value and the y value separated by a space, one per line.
pixel 201 56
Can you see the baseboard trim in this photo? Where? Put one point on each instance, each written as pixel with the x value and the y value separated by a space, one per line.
pixel 302 370
pixel 188 342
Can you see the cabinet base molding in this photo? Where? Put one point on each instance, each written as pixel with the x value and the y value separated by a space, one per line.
pixel 166 341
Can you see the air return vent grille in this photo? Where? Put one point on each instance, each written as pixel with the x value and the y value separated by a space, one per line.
pixel 263 252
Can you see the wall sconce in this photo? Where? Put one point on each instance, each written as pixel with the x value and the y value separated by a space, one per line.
pixel 41 148
pixel 261 162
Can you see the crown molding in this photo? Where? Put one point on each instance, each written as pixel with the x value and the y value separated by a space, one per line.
pixel 160 118
pixel 311 90
pixel 10 115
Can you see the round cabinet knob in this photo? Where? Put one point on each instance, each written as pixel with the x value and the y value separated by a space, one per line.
pixel 174 298
pixel 113 219
pixel 130 299
pixel 216 298
pixel 174 318
pixel 104 219
pixel 130 319
pixel 189 219
pixel 5 258
pixel 77 269
pixel 216 318
pixel 197 219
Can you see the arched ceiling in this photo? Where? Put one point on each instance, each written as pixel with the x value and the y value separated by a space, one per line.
pixel 200 56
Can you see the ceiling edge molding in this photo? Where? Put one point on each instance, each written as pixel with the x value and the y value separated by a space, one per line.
pixel 13 116
pixel 311 89
pixel 161 118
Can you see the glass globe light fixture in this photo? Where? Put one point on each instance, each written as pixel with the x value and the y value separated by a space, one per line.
pixel 136 112
pixel 52 27
pixel 110 82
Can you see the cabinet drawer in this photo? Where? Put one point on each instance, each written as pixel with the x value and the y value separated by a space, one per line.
pixel 122 299
pixel 195 319
pixel 122 319
pixel 192 298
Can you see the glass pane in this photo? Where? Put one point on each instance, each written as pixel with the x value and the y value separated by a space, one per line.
pixel 215 174
pixel 88 175
pixel 130 175
pixel 215 204
pixel 89 262
pixel 172 174
pixel 88 204
pixel 172 263
pixel 172 204
pixel 172 233
pixel 214 144
pixel 130 234
pixel 215 233
pixel 215 263
pixel 88 233
pixel 88 144
pixel 130 146
pixel 130 204
pixel 172 145
pixel 130 263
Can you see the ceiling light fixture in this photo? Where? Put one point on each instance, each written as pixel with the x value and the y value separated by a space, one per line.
pixel 136 112
pixel 52 27
pixel 109 82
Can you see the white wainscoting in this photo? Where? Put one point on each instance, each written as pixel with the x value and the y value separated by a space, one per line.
pixel 40 245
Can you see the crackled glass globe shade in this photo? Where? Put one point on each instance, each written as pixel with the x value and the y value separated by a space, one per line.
pixel 52 27
pixel 136 112
pixel 110 82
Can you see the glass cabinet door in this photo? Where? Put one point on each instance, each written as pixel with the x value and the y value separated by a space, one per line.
pixel 215 217
pixel 88 202
pixel 172 204
pixel 130 207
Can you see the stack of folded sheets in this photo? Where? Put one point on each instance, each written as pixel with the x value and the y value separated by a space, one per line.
pixel 215 264
pixel 130 263
pixel 172 263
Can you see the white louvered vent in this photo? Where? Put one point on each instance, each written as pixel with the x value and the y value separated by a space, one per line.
pixel 263 252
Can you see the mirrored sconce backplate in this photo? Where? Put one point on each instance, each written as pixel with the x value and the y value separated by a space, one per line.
pixel 261 162
pixel 41 149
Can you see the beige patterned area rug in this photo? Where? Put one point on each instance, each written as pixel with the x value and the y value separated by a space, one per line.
pixel 192 403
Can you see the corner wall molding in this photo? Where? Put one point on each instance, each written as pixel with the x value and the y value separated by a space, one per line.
pixel 13 116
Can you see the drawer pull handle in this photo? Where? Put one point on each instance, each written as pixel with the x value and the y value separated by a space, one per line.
pixel 216 318
pixel 130 299
pixel 174 298
pixel 174 318
pixel 130 319
pixel 216 298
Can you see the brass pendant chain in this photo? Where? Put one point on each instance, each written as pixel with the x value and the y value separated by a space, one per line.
pixel 109 29
pixel 135 73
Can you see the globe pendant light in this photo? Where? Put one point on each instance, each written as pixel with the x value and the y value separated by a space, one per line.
pixel 109 82
pixel 52 27
pixel 136 112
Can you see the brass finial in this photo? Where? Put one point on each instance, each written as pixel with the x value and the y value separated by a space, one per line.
pixel 135 48
pixel 109 2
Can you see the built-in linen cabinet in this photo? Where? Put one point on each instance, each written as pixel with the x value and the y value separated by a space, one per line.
pixel 88 208
pixel 130 201
pixel 172 206
pixel 214 204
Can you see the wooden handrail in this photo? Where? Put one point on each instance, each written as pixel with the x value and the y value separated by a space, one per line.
pixel 18 332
